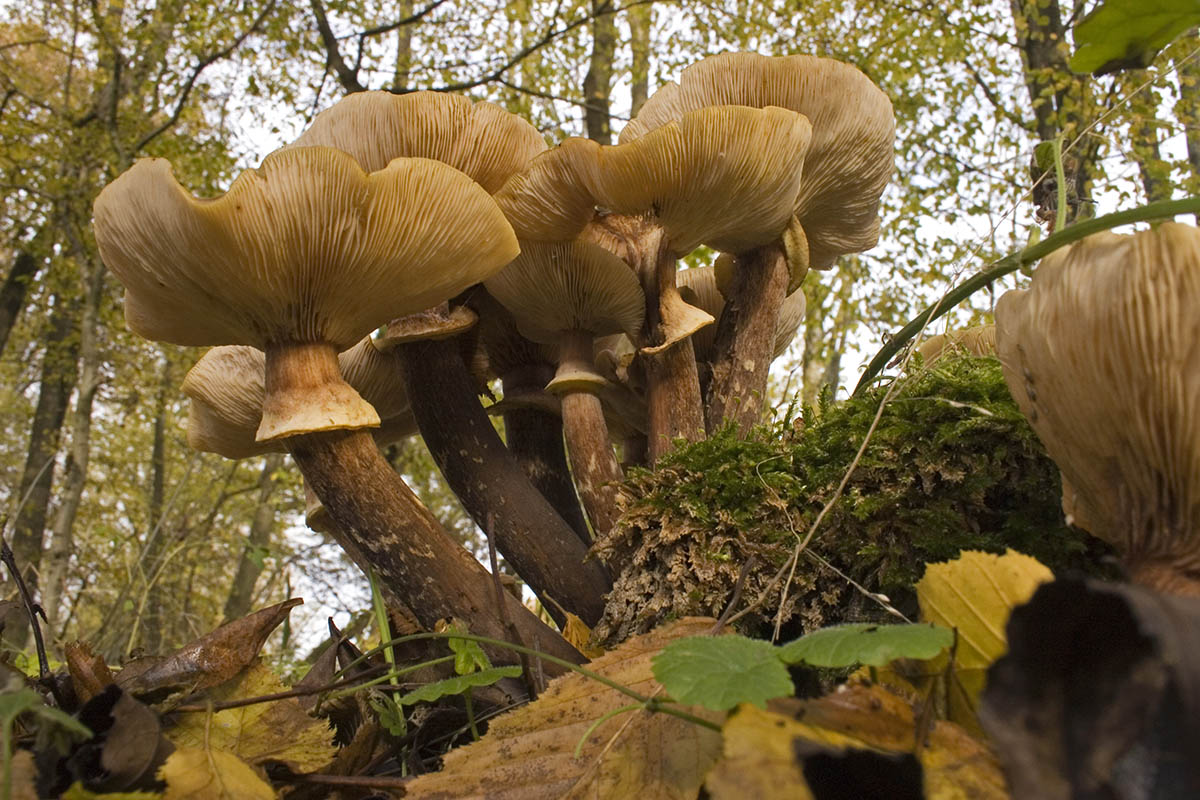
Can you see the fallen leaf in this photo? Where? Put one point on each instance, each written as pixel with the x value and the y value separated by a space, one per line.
pixel 758 759
pixel 90 675
pixel 975 594
pixel 127 747
pixel 279 731
pixel 212 659
pixel 579 635
pixel 528 754
pixel 201 774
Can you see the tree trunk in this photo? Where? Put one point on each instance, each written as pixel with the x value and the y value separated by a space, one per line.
pixel 241 593
pixel 58 553
pixel 13 292
pixel 157 608
pixel 640 18
pixel 597 84
pixel 403 71
pixel 492 486
pixel 60 369
pixel 1187 110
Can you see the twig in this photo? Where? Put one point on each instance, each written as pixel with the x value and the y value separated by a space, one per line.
pixel 225 705
pixel 737 595
pixel 33 609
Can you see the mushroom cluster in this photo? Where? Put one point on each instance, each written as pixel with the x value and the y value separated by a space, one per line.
pixel 372 279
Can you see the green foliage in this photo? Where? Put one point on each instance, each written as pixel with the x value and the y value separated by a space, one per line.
pixel 458 685
pixel 719 672
pixel 1127 34
pixel 864 643
pixel 951 465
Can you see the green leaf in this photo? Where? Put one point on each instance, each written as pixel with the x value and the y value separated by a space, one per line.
pixel 457 685
pixel 1127 34
pixel 864 643
pixel 719 672
pixel 468 655
pixel 390 713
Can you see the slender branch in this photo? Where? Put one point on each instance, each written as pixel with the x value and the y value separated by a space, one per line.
pixel 346 76
pixel 1013 262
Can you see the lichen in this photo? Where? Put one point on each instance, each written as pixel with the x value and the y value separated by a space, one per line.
pixel 951 465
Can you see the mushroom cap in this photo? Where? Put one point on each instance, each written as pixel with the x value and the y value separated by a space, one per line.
pixel 850 158
pixel 1102 353
pixel 565 286
pixel 979 340
pixel 439 322
pixel 226 387
pixel 306 248
pixel 724 176
pixel 481 139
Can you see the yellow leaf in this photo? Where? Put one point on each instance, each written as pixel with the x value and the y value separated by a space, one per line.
pixel 975 594
pixel 579 635
pixel 528 754
pixel 198 774
pixel 760 748
pixel 276 731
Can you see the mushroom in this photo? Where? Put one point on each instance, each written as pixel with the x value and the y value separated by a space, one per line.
pixel 302 258
pixel 977 341
pixel 723 176
pixel 1101 355
pixel 569 293
pixel 847 163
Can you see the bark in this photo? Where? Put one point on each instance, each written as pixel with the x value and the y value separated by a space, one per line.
pixel 241 592
pixel 402 73
pixel 597 83
pixel 745 340
pixel 1187 110
pixel 60 369
pixel 1059 99
pixel 640 18
pixel 13 292
pixel 385 528
pixel 493 488
pixel 535 438
pixel 58 553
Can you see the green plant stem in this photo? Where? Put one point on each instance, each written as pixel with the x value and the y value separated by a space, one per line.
pixel 603 719
pixel 1013 262
pixel 1060 176
pixel 471 716
pixel 653 704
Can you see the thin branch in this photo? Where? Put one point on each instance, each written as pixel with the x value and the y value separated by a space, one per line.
pixel 203 64
pixel 346 76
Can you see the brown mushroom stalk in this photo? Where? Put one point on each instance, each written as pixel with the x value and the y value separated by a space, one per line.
pixel 593 462
pixel 745 341
pixel 535 438
pixel 381 519
pixel 305 391
pixel 674 406
pixel 493 487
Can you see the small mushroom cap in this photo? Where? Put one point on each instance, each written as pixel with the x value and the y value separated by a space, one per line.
pixel 306 248
pixel 481 139
pixel 439 322
pixel 227 393
pixel 567 286
pixel 850 158
pixel 977 341
pixel 726 177
pixel 1102 353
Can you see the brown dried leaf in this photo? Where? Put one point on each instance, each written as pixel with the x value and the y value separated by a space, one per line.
pixel 212 659
pixel 528 754
pixel 279 731
pixel 89 673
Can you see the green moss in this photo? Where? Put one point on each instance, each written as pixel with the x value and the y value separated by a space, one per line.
pixel 951 465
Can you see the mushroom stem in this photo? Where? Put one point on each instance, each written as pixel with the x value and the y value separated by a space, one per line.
pixel 674 406
pixel 382 523
pixel 535 438
pixel 746 340
pixel 493 487
pixel 593 461
pixel 305 392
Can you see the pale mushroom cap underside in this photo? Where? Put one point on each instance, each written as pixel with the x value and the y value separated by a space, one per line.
pixel 226 388
pixel 563 286
pixel 724 176
pixel 850 158
pixel 481 139
pixel 979 340
pixel 1102 353
pixel 700 286
pixel 306 248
